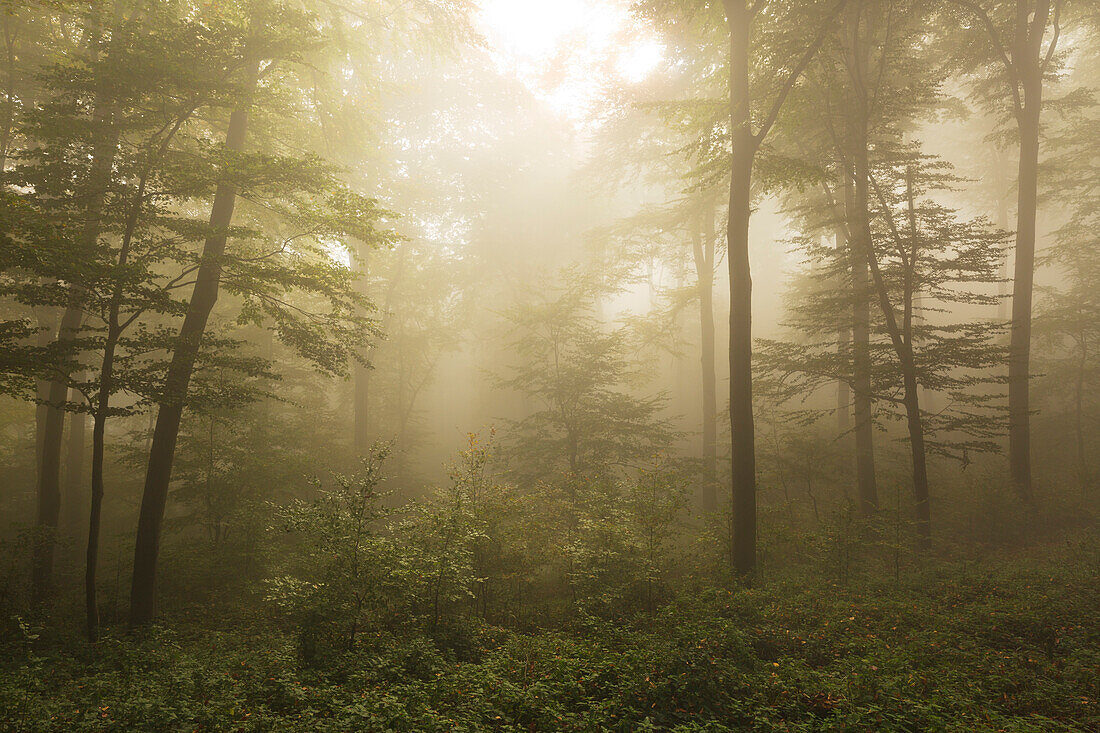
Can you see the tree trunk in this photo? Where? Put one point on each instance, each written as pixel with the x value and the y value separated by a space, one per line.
pixel 361 398
pixel 1019 349
pixel 743 460
pixel 744 144
pixel 46 319
pixel 844 349
pixel 91 559
pixel 855 196
pixel 162 451
pixel 74 468
pixel 48 505
pixel 901 338
pixel 703 250
pixel 49 477
pixel 918 453
pixel 1079 417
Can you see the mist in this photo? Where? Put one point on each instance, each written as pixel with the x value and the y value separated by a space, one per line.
pixel 597 365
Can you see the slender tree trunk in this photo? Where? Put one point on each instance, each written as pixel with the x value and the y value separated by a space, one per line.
pixel 46 319
pixel 91 558
pixel 919 455
pixel 1028 63
pixel 743 461
pixel 1025 63
pixel 1019 349
pixel 856 202
pixel 901 336
pixel 361 396
pixel 844 349
pixel 74 466
pixel 162 451
pixel 856 197
pixel 101 408
pixel 94 194
pixel 703 250
pixel 53 427
pixel 744 145
pixel 1079 417
pixel 100 412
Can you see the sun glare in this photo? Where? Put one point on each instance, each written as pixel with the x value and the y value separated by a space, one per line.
pixel 566 52
pixel 640 59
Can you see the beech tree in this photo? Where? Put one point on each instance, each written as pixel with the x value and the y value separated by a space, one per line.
pixel 261 272
pixel 1019 45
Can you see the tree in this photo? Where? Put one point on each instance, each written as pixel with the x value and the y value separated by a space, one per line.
pixel 1014 36
pixel 923 262
pixel 1068 320
pixel 875 83
pixel 271 34
pixel 748 134
pixel 64 176
pixel 588 423
pixel 346 572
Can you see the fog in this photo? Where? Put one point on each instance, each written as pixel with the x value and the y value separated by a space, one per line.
pixel 370 346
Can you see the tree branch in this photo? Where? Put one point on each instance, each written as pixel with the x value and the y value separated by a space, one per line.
pixel 998 46
pixel 796 72
pixel 1053 41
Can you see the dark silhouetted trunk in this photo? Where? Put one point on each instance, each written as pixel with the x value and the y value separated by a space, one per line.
pixel 1026 67
pixel 162 451
pixel 901 337
pixel 743 460
pixel 91 558
pixel 74 489
pixel 1025 64
pixel 744 144
pixel 101 405
pixel 46 319
pixel 918 452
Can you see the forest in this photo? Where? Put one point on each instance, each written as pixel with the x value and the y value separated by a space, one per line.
pixel 588 365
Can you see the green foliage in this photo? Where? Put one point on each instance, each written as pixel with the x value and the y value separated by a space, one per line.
pixel 1011 646
pixel 346 570
pixel 621 549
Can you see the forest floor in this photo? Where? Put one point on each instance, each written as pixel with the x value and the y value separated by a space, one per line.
pixel 1010 644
